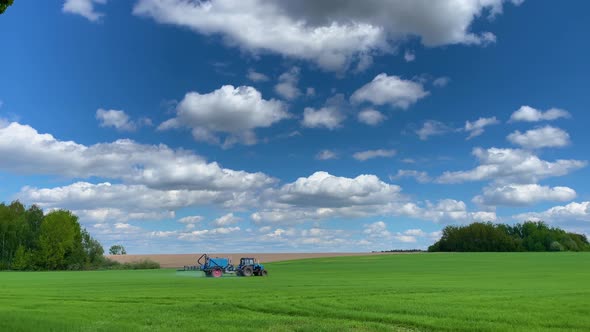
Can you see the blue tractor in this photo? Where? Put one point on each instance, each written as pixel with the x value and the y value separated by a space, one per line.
pixel 249 267
pixel 218 266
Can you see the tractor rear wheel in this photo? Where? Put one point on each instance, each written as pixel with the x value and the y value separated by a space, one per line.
pixel 247 271
pixel 217 273
pixel 263 273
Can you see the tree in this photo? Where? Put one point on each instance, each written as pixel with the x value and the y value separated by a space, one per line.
pixel 92 249
pixel 117 249
pixel 4 4
pixel 60 242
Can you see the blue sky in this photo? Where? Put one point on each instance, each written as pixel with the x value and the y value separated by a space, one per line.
pixel 183 126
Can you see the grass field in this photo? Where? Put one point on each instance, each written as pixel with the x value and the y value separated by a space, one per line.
pixel 417 292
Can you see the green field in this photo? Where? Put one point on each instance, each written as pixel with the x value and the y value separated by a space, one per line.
pixel 416 292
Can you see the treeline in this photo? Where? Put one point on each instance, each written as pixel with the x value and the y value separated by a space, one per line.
pixel 32 240
pixel 528 236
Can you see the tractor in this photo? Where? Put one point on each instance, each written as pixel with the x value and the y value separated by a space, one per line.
pixel 250 266
pixel 218 266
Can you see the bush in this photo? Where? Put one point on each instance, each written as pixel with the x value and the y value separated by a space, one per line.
pixel 144 264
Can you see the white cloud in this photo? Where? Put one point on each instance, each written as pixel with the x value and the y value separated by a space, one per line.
pixel 118 120
pixel 310 92
pixel 234 111
pixel 377 229
pixel 511 166
pixel 441 81
pixel 207 233
pixel 328 117
pixel 326 155
pixel 529 114
pixel 191 219
pixel 26 151
pixel 84 8
pixel 476 128
pixel 421 177
pixel 571 212
pixel 523 194
pixel 333 35
pixel 322 189
pixel 409 56
pixel 226 220
pixel 432 128
pixel 391 90
pixel 287 86
pixel 255 76
pixel 371 117
pixel 370 154
pixel 540 138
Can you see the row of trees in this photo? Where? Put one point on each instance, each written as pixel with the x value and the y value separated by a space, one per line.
pixel 528 236
pixel 32 240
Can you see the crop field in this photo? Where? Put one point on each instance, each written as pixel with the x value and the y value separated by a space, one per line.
pixel 416 292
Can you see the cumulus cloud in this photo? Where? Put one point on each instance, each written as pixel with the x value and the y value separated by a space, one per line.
pixel 523 194
pixel 322 189
pixel 476 128
pixel 255 76
pixel 421 177
pixel 371 117
pixel 370 154
pixel 287 85
pixel 84 8
pixel 327 117
pixel 511 166
pixel 235 111
pixel 540 138
pixel 326 155
pixel 333 35
pixel 432 128
pixel 571 212
pixel 529 114
pixel 26 151
pixel 390 90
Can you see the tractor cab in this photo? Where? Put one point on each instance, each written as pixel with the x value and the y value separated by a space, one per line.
pixel 247 261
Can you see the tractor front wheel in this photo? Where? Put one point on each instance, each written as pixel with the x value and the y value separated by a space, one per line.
pixel 217 273
pixel 263 273
pixel 247 271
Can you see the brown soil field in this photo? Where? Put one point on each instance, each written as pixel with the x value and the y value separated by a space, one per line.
pixel 180 260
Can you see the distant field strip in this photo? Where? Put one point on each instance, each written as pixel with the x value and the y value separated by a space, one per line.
pixel 419 292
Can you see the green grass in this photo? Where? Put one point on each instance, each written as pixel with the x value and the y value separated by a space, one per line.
pixel 418 292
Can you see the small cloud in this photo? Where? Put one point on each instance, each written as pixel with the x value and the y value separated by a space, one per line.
pixel 476 128
pixel 409 56
pixel 326 155
pixel 119 120
pixel 371 117
pixel 432 128
pixel 441 81
pixel 529 114
pixel 287 86
pixel 370 154
pixel 84 8
pixel 421 177
pixel 255 76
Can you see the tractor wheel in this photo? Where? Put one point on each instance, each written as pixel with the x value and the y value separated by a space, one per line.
pixel 263 273
pixel 247 271
pixel 217 273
